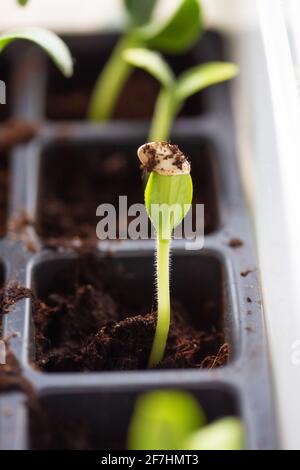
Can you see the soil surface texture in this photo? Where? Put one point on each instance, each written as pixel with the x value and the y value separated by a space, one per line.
pixel 83 324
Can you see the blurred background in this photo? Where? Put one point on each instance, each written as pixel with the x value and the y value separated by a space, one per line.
pixel 76 16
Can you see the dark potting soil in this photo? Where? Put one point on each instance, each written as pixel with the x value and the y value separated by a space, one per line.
pixel 235 243
pixel 10 372
pixel 10 294
pixel 51 431
pixel 69 200
pixel 11 378
pixel 89 177
pixel 135 102
pixel 15 131
pixel 83 323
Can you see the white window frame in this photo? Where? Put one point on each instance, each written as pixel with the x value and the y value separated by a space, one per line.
pixel 267 109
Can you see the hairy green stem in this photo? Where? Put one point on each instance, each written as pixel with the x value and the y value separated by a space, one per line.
pixel 163 303
pixel 164 115
pixel 110 82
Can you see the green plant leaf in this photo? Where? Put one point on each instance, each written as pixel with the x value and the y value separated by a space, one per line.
pixel 224 434
pixel 23 2
pixel 162 420
pixel 194 80
pixel 178 32
pixel 152 62
pixel 140 11
pixel 167 201
pixel 47 40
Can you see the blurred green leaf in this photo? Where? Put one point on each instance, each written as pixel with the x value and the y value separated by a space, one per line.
pixel 202 76
pixel 178 32
pixel 47 40
pixel 162 420
pixel 140 11
pixel 22 2
pixel 152 62
pixel 224 434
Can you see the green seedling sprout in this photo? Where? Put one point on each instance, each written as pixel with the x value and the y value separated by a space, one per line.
pixel 168 197
pixel 174 35
pixel 175 91
pixel 163 420
pixel 174 420
pixel 169 186
pixel 45 39
pixel 224 434
pixel 48 41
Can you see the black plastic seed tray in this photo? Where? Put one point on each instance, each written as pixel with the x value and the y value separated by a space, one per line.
pixel 102 402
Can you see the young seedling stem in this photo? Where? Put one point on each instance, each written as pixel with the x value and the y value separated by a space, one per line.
pixel 164 114
pixel 168 197
pixel 163 303
pixel 110 83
